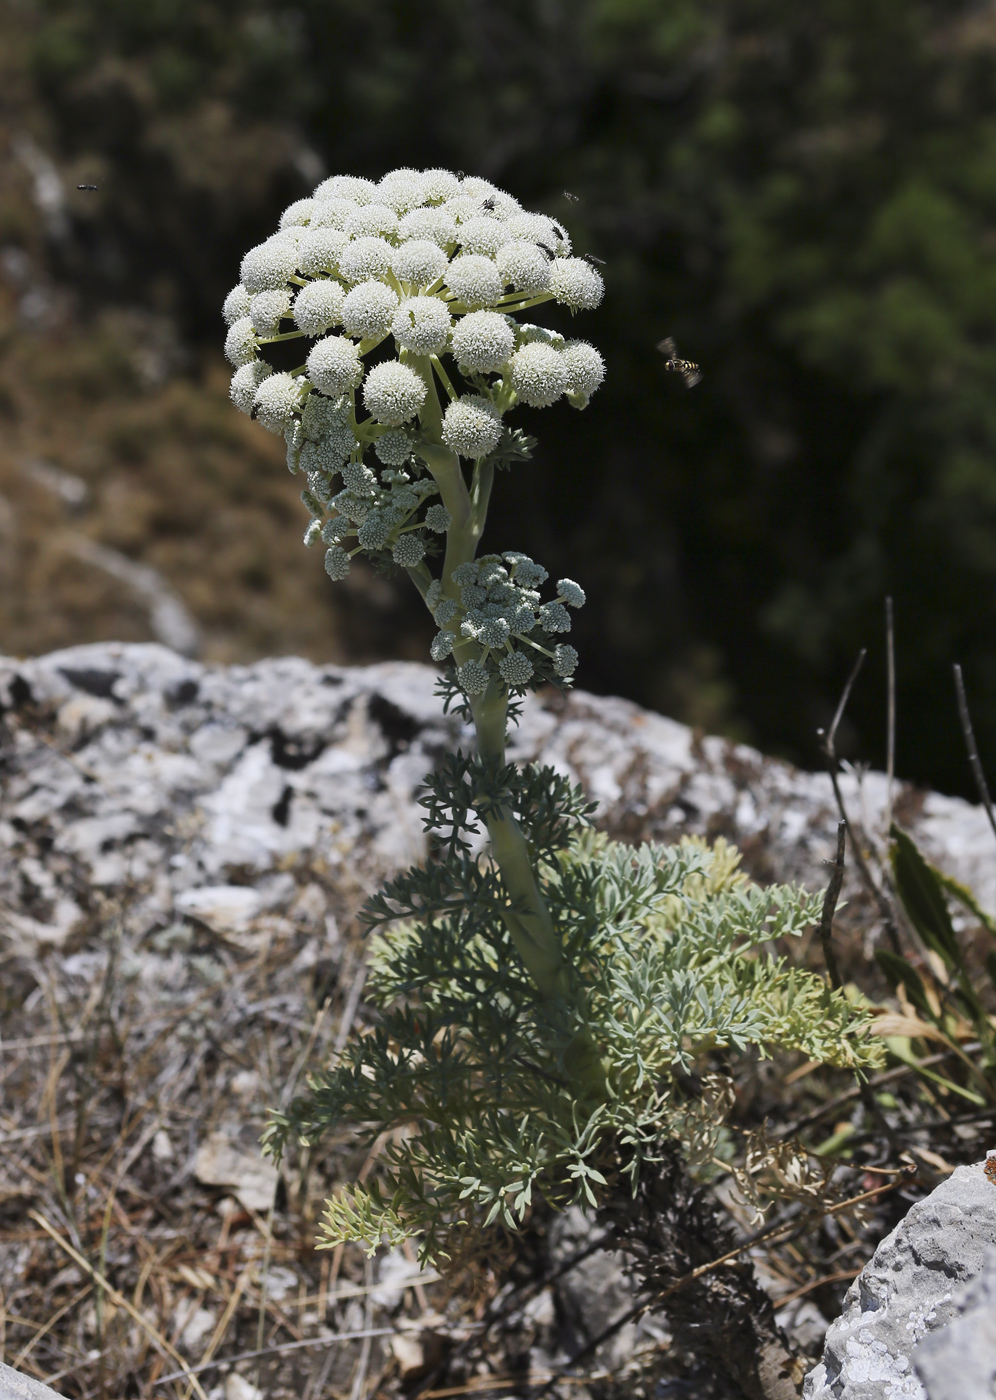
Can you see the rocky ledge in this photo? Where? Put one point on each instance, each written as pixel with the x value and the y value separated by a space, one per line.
pixel 209 790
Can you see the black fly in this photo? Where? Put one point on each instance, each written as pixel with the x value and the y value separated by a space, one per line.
pixel 88 187
pixel 689 371
pixel 559 231
pixel 489 205
pixel 548 252
pixel 590 257
pixel 572 197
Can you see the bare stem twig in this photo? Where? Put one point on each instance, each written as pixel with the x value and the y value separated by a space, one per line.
pixel 830 906
pixel 890 721
pixel 972 748
pixel 829 749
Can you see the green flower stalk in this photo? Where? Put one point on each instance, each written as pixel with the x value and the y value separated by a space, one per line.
pixel 542 1009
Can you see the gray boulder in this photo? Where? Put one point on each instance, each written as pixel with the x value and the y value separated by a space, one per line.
pixel 14 1385
pixel 199 789
pixel 959 1361
pixel 909 1291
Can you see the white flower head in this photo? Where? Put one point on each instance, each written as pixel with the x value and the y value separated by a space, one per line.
pixel 539 375
pixel 483 234
pixel 393 393
pixel 473 677
pixel 240 342
pixel 585 368
pixel 554 617
pixel 482 340
pixel 318 307
pixel 524 265
pixel 422 324
pixel 419 262
pixel 565 660
pixel 352 187
pixel 472 426
pixel 433 224
pixel 393 448
pixel 462 207
pixel 516 669
pixel 266 310
pixel 277 396
pixel 320 250
pixel 490 198
pixel 571 592
pixel 439 184
pixel 371 221
pixel 438 519
pixel 534 228
pixel 442 645
pixel 267 267
pixel 402 190
pixel 365 258
pixel 576 284
pixel 409 551
pixel 528 333
pixel 297 213
pixel 236 305
pixel 333 213
pixel 334 365
pixel 245 382
pixel 369 309
pixel 474 279
pixel 336 563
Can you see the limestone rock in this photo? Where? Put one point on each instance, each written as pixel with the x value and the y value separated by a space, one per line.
pixel 959 1361
pixel 202 789
pixel 907 1291
pixel 14 1385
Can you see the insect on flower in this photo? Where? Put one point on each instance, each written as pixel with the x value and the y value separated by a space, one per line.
pixel 688 370
pixel 590 257
pixel 489 205
pixel 547 252
pixel 558 230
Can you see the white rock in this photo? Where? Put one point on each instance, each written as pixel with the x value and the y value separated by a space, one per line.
pixel 225 908
pixel 220 1162
pixel 958 1362
pixel 906 1291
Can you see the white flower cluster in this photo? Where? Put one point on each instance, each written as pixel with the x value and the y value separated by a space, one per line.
pixel 439 266
pixel 498 607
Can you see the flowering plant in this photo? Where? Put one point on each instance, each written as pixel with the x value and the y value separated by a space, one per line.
pixel 542 1008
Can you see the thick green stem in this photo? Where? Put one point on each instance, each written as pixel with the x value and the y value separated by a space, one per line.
pixel 527 918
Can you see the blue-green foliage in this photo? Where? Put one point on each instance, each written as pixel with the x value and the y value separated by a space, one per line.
pixel 464 1069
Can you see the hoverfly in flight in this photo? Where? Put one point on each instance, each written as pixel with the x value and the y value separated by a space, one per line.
pixel 689 371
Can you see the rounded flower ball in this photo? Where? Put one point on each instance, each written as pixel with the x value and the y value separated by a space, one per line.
pixel 276 399
pixel 393 393
pixel 472 426
pixel 474 280
pixel 318 307
pixel 422 324
pixel 483 341
pixel 539 375
pixel 368 310
pixel 334 365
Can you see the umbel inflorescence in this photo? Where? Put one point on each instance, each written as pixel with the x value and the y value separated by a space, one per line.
pixel 404 293
pixel 542 1003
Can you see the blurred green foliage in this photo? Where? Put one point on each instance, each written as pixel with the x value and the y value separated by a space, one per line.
pixel 803 195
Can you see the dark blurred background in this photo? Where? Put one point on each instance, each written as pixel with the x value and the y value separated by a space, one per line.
pixel 804 195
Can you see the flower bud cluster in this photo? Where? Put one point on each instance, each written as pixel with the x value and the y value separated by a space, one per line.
pixel 439 266
pixel 493 620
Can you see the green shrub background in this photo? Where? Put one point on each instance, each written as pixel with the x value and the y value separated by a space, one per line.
pixel 803 195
